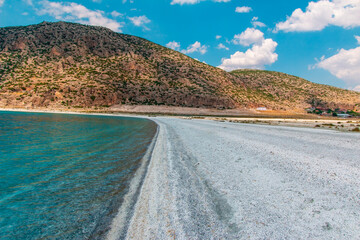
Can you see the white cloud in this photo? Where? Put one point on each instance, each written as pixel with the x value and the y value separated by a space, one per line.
pixel 97 1
pixel 256 23
pixel 345 65
pixel 260 54
pixel 196 47
pixel 256 57
pixel 218 37
pixel 182 2
pixel 222 46
pixel 140 21
pixel 173 45
pixel 78 13
pixel 248 37
pixel 116 14
pixel 243 9
pixel 357 39
pixel 318 15
pixel 1 2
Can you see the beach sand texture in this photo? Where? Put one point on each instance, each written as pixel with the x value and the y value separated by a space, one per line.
pixel 221 180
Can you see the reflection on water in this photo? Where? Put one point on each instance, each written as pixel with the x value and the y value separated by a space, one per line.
pixel 63 176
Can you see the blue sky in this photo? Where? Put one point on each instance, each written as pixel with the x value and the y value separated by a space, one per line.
pixel 316 40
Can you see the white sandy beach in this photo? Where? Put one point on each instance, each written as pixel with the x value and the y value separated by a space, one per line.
pixel 220 180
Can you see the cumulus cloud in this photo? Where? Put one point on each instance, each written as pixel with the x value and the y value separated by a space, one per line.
pixel 261 53
pixel 218 36
pixel 345 65
pixel 173 45
pixel 182 2
pixel 77 13
pixel 243 9
pixel 1 2
pixel 222 46
pixel 256 57
pixel 248 37
pixel 318 15
pixel 140 21
pixel 196 47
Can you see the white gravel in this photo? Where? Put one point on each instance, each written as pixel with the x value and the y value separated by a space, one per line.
pixel 220 180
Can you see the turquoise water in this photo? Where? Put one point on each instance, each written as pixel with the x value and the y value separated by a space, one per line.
pixel 63 176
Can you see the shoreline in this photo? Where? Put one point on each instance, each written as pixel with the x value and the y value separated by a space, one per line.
pixel 337 124
pixel 235 190
pixel 149 110
pixel 120 223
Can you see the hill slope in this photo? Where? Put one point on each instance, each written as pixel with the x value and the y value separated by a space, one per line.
pixel 72 65
pixel 293 92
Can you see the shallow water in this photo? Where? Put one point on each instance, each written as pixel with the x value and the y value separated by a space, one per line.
pixel 63 176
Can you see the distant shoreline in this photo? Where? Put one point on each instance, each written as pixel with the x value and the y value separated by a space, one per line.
pixel 147 110
pixel 300 120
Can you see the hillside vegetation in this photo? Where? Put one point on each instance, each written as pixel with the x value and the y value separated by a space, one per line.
pixel 63 65
pixel 272 88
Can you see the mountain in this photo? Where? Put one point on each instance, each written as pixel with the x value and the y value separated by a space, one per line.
pixel 68 64
pixel 61 65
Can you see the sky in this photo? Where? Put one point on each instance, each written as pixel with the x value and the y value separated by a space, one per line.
pixel 316 40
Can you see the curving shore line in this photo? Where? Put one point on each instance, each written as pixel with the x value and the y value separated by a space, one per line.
pixel 221 180
pixel 120 223
pixel 173 201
